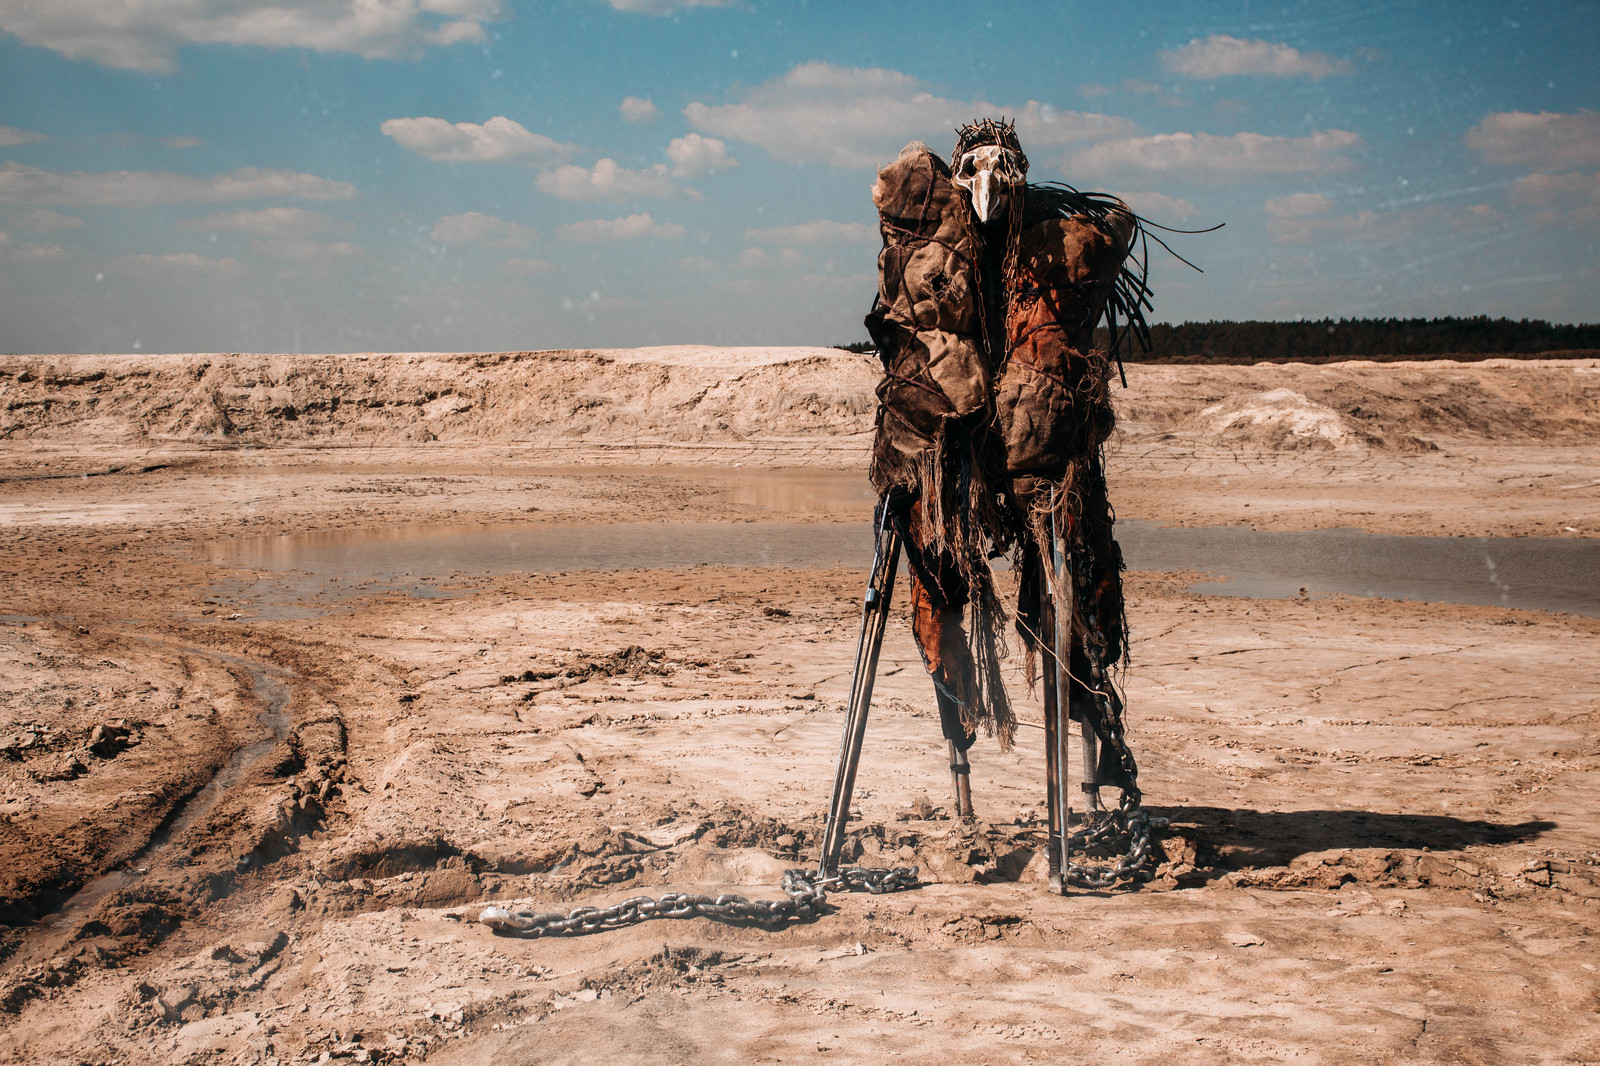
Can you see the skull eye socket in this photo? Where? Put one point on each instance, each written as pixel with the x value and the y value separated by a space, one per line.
pixel 968 166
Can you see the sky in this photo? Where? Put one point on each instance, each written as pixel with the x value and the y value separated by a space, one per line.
pixel 458 175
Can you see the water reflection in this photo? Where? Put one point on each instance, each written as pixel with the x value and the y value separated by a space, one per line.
pixel 417 559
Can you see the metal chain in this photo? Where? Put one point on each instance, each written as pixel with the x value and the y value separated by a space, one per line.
pixel 1133 822
pixel 806 896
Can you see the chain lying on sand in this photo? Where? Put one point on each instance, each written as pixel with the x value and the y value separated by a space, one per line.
pixel 806 893
pixel 1134 823
pixel 806 896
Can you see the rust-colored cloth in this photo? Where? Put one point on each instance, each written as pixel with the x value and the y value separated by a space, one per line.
pixel 992 406
pixel 938 602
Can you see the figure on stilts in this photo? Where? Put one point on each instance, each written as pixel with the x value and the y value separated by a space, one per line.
pixel 993 411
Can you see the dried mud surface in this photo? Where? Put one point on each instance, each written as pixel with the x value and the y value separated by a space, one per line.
pixel 229 836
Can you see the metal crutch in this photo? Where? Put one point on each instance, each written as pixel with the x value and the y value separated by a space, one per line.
pixel 1058 706
pixel 874 617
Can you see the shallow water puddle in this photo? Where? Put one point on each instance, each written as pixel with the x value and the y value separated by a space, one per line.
pixel 304 572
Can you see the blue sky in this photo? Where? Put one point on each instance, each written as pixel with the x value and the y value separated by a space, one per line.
pixel 351 175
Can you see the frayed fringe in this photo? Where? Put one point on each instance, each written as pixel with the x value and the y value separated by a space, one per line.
pixel 962 512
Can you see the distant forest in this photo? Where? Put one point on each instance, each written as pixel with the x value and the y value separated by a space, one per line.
pixel 1379 339
pixel 1382 339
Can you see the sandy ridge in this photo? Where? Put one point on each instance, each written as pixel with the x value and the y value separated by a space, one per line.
pixel 698 396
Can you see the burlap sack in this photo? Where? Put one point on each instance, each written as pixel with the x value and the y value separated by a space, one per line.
pixel 1052 401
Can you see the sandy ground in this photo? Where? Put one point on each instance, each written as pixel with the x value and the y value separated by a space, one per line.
pixel 1382 844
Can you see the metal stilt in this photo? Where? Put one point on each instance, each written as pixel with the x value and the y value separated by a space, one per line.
pixel 961 782
pixel 1058 704
pixel 1091 767
pixel 874 617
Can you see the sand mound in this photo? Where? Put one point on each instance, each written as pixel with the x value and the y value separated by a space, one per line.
pixel 1281 419
pixel 798 406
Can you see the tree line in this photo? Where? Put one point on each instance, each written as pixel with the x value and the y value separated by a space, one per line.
pixel 1381 339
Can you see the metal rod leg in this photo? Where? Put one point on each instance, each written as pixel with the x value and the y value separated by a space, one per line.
pixel 1052 775
pixel 961 782
pixel 1060 634
pixel 1091 766
pixel 874 617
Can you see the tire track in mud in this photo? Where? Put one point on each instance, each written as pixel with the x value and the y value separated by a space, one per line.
pixel 44 958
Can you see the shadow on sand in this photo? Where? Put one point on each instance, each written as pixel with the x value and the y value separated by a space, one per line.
pixel 1245 839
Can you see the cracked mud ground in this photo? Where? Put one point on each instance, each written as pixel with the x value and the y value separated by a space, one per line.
pixel 1382 842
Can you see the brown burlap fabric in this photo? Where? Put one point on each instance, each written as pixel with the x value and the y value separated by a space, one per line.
pixel 994 399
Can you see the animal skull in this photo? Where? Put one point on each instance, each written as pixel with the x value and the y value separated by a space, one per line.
pixel 989 173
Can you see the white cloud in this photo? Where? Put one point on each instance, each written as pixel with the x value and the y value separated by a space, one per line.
pixel 618 229
pixel 1157 206
pixel 44 220
pixel 10 137
pixel 1478 216
pixel 1543 141
pixel 272 222
pixel 139 188
pixel 494 141
pixel 182 262
pixel 1298 205
pixel 1207 157
pixel 304 249
pixel 817 231
pixel 1221 56
pixel 665 7
pixel 25 250
pixel 526 266
pixel 180 142
pixel 477 228
pixel 1559 199
pixel 753 259
pixel 860 117
pixel 146 34
pixel 638 109
pixel 607 180
pixel 693 155
pixel 1369 227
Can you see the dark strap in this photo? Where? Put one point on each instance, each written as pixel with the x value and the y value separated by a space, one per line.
pixel 960 768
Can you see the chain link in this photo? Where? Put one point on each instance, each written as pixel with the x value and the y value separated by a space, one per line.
pixel 1133 822
pixel 805 891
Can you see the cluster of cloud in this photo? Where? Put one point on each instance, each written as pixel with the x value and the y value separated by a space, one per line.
pixel 608 180
pixel 279 223
pixel 817 231
pixel 20 184
pixel 11 249
pixel 477 228
pixel 525 267
pixel 179 262
pixel 1158 206
pixel 785 239
pixel 1560 199
pixel 10 137
pixel 44 220
pixel 1543 141
pixel 282 232
pixel 1553 145
pixel 666 7
pixel 638 109
pixel 145 35
pixel 1206 157
pixel 693 156
pixel 860 117
pixel 632 227
pixel 499 140
pixel 1222 56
